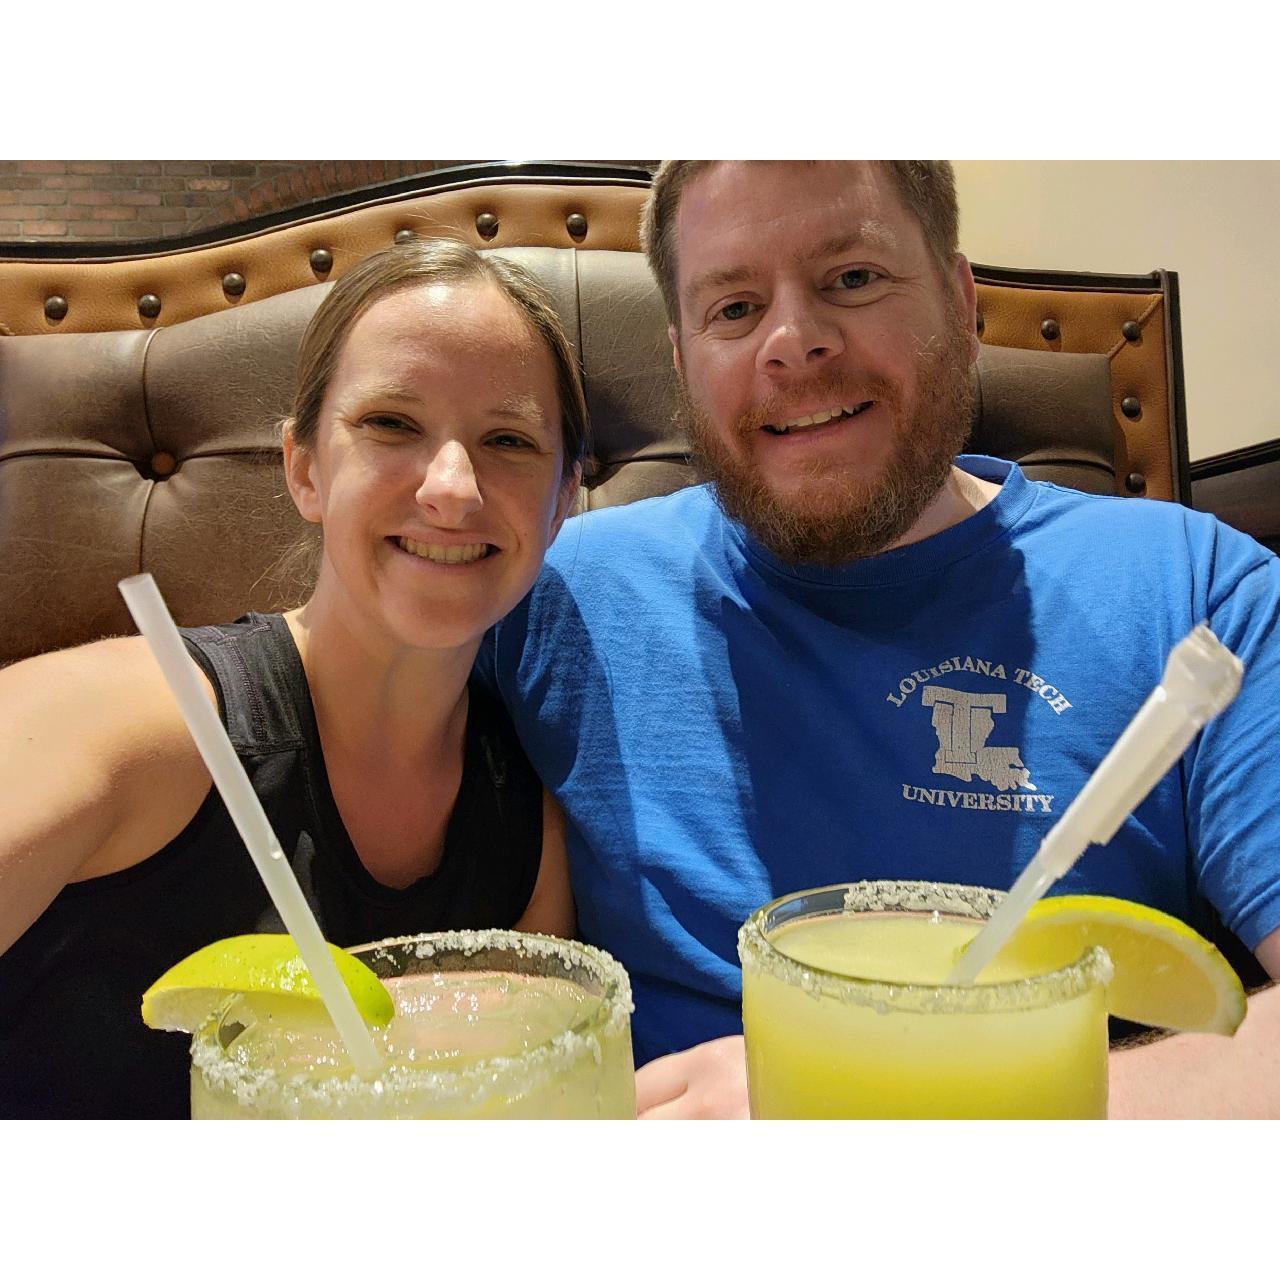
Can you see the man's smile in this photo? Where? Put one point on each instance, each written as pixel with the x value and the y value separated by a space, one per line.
pixel 837 414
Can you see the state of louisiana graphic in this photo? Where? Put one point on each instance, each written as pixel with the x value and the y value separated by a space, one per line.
pixel 964 723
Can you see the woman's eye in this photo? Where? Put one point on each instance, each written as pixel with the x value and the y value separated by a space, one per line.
pixel 508 441
pixel 734 311
pixel 856 278
pixel 384 422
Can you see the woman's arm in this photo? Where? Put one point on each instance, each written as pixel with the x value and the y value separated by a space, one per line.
pixel 97 772
pixel 550 908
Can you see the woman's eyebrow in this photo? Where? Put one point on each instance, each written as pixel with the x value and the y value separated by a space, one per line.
pixel 384 391
pixel 522 409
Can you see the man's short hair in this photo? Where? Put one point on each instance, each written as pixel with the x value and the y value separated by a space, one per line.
pixel 926 187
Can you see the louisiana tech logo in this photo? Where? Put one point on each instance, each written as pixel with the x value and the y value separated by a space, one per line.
pixel 966 726
pixel 963 723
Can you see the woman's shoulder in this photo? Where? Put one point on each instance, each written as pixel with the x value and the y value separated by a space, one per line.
pixel 109 688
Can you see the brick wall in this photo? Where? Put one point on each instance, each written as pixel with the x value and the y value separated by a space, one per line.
pixel 145 199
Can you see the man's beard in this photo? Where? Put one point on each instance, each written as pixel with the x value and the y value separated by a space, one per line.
pixel 840 516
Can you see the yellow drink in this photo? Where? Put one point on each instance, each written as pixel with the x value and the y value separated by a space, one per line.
pixel 846 1016
pixel 488 1025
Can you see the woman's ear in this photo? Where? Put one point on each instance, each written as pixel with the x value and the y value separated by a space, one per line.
pixel 568 491
pixel 297 474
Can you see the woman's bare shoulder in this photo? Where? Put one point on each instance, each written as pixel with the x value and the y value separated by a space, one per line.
pixel 97 771
pixel 110 693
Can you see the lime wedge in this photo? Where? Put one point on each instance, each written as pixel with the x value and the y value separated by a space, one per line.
pixel 1166 974
pixel 259 963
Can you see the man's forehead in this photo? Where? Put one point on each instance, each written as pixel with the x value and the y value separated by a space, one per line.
pixel 739 213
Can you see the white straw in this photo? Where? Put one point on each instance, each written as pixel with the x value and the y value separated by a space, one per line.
pixel 1201 677
pixel 152 616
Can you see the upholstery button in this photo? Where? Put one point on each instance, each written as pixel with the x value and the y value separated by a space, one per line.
pixel 1132 330
pixel 1049 330
pixel 404 236
pixel 233 284
pixel 163 464
pixel 148 306
pixel 55 308
pixel 321 261
pixel 1135 482
pixel 1131 406
pixel 576 223
pixel 487 225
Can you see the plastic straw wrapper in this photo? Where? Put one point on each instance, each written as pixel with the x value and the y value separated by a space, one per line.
pixel 1200 678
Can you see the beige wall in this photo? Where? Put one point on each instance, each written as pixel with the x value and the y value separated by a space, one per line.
pixel 1216 223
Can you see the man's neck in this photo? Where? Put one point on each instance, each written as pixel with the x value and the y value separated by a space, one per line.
pixel 960 497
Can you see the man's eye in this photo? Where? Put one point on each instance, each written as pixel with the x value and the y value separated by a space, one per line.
pixel 508 441
pixel 856 278
pixel 734 310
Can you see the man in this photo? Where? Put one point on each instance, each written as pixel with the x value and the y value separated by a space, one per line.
pixel 850 657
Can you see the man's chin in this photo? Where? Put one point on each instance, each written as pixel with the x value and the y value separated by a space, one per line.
pixel 826 529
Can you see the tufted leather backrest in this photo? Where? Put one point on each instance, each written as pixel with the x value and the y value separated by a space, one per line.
pixel 155 447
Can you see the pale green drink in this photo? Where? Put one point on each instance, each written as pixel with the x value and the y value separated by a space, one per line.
pixel 488 1024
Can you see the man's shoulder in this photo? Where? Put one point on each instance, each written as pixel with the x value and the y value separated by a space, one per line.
pixel 687 515
pixel 1159 541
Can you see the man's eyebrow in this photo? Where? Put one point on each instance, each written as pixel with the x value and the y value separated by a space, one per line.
pixel 869 235
pixel 716 279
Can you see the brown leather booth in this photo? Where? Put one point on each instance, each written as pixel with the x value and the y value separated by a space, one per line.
pixel 141 386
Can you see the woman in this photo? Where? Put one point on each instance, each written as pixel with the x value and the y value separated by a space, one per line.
pixel 436 438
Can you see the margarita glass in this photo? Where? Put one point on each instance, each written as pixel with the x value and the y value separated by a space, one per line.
pixel 488 1024
pixel 847 1014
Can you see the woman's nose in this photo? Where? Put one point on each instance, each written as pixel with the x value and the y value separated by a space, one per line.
pixel 450 489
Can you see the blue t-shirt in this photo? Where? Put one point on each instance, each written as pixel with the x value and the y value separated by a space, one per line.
pixel 722 727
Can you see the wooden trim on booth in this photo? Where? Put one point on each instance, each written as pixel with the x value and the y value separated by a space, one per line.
pixel 457 178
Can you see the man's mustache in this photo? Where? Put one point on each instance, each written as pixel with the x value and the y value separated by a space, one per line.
pixel 824 393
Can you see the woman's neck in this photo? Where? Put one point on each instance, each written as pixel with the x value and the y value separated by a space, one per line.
pixel 370 691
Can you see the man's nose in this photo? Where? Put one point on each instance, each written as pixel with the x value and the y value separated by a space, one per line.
pixel 800 334
pixel 449 489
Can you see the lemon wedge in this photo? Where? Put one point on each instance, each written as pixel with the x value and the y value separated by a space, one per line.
pixel 1166 974
pixel 185 997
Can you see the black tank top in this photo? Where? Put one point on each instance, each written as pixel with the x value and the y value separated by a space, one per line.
pixel 72 1041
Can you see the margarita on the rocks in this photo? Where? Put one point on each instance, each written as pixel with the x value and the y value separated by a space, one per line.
pixel 846 1014
pixel 487 1024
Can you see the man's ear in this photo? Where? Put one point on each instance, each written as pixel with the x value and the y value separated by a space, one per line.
pixel 674 335
pixel 297 474
pixel 568 491
pixel 966 296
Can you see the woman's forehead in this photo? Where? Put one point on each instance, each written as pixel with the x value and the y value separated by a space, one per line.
pixel 445 321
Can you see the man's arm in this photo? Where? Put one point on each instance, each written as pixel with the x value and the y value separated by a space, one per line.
pixel 1208 1077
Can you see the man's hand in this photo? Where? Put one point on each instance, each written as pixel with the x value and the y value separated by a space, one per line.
pixel 707 1082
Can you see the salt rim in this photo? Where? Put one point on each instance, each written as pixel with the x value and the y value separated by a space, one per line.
pixel 920 896
pixel 511 1077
